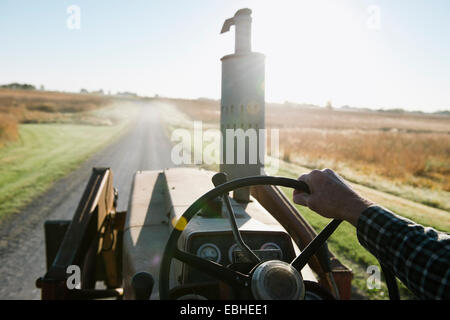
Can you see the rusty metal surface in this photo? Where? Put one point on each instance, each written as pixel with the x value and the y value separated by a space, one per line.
pixel 89 208
pixel 90 223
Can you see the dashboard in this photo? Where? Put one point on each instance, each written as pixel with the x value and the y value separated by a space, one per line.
pixel 219 247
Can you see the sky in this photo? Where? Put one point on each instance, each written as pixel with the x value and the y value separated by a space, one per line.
pixel 375 54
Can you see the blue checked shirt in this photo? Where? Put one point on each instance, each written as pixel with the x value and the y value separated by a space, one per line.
pixel 418 256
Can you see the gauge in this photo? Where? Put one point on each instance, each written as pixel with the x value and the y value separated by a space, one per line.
pixel 233 248
pixel 209 251
pixel 271 246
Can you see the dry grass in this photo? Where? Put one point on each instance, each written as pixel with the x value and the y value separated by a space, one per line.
pixel 289 116
pixel 407 148
pixel 23 106
pixel 419 159
pixel 404 148
pixel 8 128
pixel 296 116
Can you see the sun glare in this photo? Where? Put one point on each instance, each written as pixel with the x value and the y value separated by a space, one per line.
pixel 315 49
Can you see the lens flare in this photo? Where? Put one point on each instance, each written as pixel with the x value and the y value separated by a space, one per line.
pixel 179 224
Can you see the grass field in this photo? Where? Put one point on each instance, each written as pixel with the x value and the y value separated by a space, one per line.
pixel 30 106
pixel 44 152
pixel 339 139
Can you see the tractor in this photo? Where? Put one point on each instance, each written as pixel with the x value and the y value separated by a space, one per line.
pixel 196 234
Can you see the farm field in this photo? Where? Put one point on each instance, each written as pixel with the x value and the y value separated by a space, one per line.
pixel 403 154
pixel 400 161
pixel 30 106
pixel 44 145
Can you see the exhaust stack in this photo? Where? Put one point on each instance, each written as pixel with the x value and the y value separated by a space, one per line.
pixel 242 115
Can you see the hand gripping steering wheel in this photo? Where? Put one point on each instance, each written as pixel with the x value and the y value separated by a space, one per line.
pixel 268 280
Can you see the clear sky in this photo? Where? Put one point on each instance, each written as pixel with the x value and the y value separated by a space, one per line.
pixel 378 53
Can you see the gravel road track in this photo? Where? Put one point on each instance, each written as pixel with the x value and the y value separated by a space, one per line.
pixel 145 146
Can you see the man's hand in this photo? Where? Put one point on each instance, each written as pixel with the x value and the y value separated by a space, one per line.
pixel 331 196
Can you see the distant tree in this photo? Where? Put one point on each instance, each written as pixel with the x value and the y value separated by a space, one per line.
pixel 20 86
pixel 84 91
pixel 443 112
pixel 393 110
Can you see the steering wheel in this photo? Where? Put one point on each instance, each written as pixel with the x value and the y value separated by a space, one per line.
pixel 268 280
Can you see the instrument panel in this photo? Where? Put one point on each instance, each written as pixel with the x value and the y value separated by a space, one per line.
pixel 219 247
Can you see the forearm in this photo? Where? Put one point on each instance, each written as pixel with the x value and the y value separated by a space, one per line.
pixel 419 257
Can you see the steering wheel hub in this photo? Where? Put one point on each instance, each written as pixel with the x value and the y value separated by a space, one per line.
pixel 277 280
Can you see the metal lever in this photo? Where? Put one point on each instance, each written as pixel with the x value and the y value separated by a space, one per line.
pixel 221 178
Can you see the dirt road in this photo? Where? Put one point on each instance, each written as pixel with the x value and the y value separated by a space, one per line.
pixel 22 253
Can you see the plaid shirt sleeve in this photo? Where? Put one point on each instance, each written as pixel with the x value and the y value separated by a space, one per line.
pixel 418 256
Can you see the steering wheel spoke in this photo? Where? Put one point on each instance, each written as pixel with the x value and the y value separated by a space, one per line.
pixel 311 249
pixel 213 269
